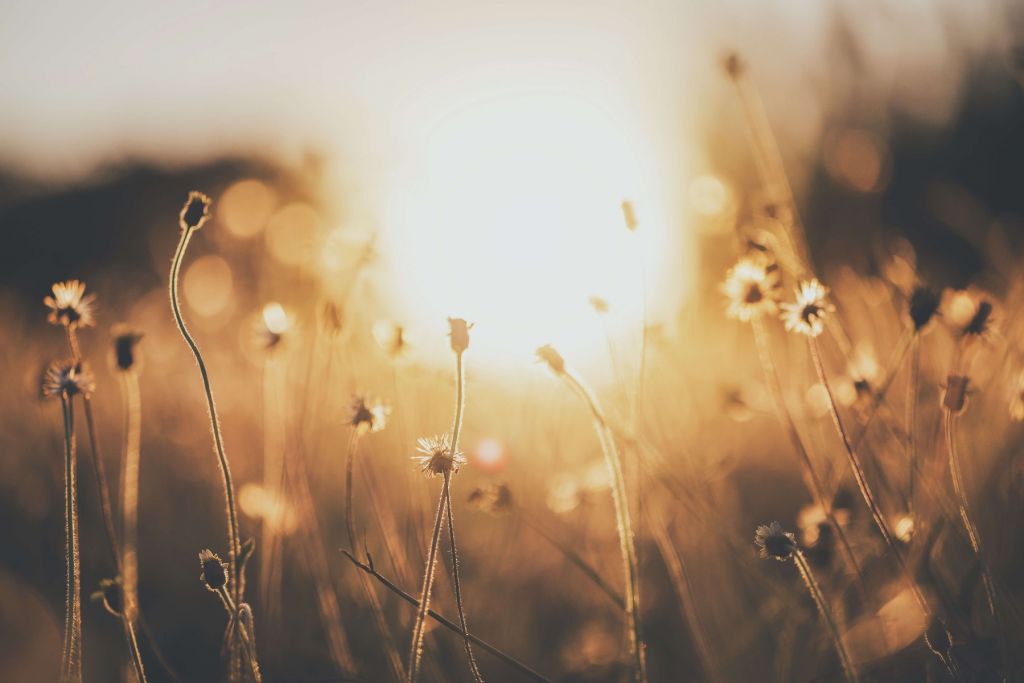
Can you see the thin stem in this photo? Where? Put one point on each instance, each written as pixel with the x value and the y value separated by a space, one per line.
pixel 240 620
pixel 912 385
pixel 234 543
pixel 786 419
pixel 133 648
pixel 130 496
pixel 826 614
pixel 447 623
pixel 418 629
pixel 350 459
pixel 71 664
pixel 457 585
pixel 627 548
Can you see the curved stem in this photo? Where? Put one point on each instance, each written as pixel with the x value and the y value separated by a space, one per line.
pixel 234 544
pixel 786 419
pixel 418 629
pixel 627 548
pixel 71 664
pixel 826 614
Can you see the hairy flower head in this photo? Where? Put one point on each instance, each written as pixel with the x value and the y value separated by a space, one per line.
pixel 774 542
pixel 125 341
pixel 436 456
pixel 806 315
pixel 752 288
pixel 67 378
pixel 214 574
pixel 195 212
pixel 70 306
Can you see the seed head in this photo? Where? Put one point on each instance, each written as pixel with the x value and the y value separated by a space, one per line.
pixel 195 212
pixel 214 573
pixel 954 397
pixel 436 456
pixel 368 415
pixel 67 378
pixel 774 542
pixel 493 499
pixel 459 334
pixel 733 65
pixel 125 341
pixel 111 594
pixel 752 288
pixel 806 315
pixel 553 358
pixel 924 303
pixel 70 306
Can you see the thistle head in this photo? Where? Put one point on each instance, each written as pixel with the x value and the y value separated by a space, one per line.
pixel 111 593
pixel 923 305
pixel 70 306
pixel 752 288
pixel 548 354
pixel 774 542
pixel 458 333
pixel 125 343
pixel 214 574
pixel 195 212
pixel 67 378
pixel 368 415
pixel 807 314
pixel 436 457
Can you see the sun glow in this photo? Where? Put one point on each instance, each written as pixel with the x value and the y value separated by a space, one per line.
pixel 510 215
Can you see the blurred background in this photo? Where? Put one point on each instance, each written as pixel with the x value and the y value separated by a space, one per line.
pixel 378 167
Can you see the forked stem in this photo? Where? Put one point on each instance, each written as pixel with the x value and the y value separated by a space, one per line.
pixel 423 605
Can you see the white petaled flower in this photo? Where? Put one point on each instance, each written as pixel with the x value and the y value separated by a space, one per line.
pixel 70 306
pixel 436 456
pixel 807 314
pixel 368 415
pixel 67 378
pixel 752 288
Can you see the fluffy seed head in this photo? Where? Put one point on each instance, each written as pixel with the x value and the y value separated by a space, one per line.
pixel 548 354
pixel 459 334
pixel 368 415
pixel 806 315
pixel 436 456
pixel 195 212
pixel 214 573
pixel 67 378
pixel 70 306
pixel 125 341
pixel 924 303
pixel 752 288
pixel 774 542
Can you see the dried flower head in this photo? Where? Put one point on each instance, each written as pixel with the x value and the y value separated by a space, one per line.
pixel 774 542
pixel 752 288
pixel 552 357
pixel 125 341
pixel 955 395
pixel 806 315
pixel 70 306
pixel 111 594
pixel 924 304
pixel 494 499
pixel 436 456
pixel 599 305
pixel 458 332
pixel 67 378
pixel 214 572
pixel 629 216
pixel 195 212
pixel 391 338
pixel 733 65
pixel 368 415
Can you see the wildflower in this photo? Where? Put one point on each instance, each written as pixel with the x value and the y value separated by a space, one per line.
pixel 391 338
pixel 111 594
pixel 437 456
pixel 459 334
pixel 67 378
pixel 214 574
pixel 553 358
pixel 272 327
pixel 69 306
pixel 493 499
pixel 752 288
pixel 956 393
pixel 980 322
pixel 599 305
pixel 368 416
pixel 806 315
pixel 195 212
pixel 924 303
pixel 125 342
pixel 774 542
pixel 629 216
